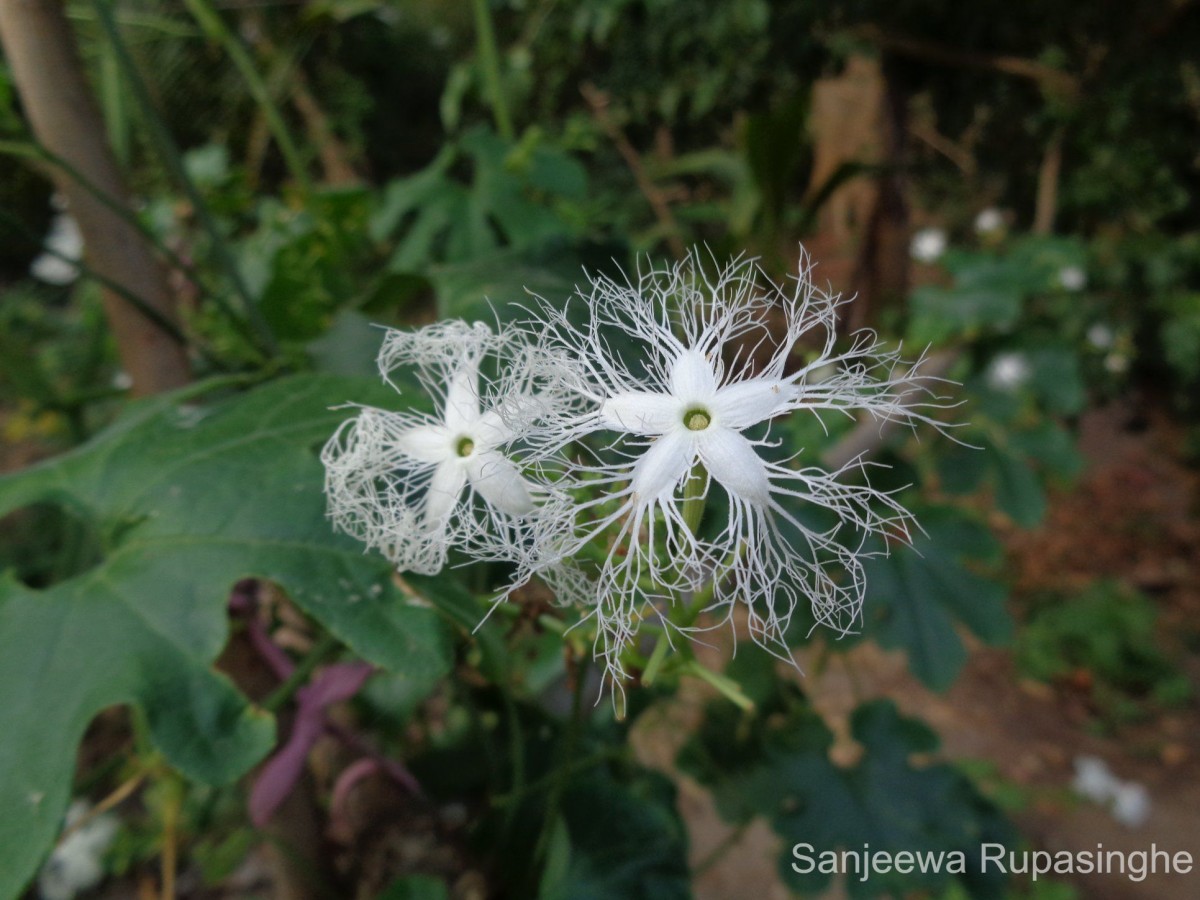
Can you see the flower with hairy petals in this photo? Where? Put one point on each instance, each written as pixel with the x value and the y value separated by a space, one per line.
pixel 414 485
pixel 711 367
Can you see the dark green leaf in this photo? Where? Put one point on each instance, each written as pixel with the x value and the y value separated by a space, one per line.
pixel 1018 490
pixel 777 766
pixel 917 593
pixel 626 840
pixel 416 887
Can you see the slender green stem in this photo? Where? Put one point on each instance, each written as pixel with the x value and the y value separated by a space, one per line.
pixel 489 58
pixel 303 671
pixel 548 781
pixel 654 664
pixel 694 497
pixel 174 163
pixel 727 686
pixel 214 26
pixel 562 774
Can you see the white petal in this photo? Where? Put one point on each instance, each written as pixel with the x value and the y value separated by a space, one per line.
pixel 500 483
pixel 747 403
pixel 426 443
pixel 642 412
pixel 462 397
pixel 490 431
pixel 444 489
pixel 692 378
pixel 664 463
pixel 731 460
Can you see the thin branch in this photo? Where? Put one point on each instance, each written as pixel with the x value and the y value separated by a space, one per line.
pixel 599 102
pixel 1046 205
pixel 931 51
pixel 173 160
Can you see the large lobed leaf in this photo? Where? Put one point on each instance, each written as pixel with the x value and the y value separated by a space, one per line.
pixel 187 500
pixel 777 766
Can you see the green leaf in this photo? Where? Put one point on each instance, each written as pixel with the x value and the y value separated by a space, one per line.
pixel 491 287
pixel 189 500
pixel 416 887
pixel 938 313
pixel 917 593
pixel 1019 493
pixel 1051 447
pixel 961 469
pixel 1057 381
pixel 626 840
pixel 777 766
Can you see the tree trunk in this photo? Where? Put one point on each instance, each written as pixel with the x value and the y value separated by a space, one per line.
pixel 40 49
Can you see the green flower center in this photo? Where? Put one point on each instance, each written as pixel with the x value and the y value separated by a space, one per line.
pixel 464 447
pixel 697 419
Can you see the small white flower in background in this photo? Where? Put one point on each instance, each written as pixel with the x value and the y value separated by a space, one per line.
pixel 928 245
pixel 1100 336
pixel 77 863
pixel 1072 278
pixel 63 248
pixel 687 410
pixel 1008 371
pixel 1128 801
pixel 1131 804
pixel 988 221
pixel 414 485
pixel 1094 780
pixel 1117 363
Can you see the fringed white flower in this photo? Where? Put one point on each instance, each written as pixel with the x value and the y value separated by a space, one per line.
pixel 685 371
pixel 413 485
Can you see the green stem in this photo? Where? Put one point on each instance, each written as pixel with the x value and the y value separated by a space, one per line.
pixel 727 686
pixel 174 163
pixel 654 664
pixel 694 497
pixel 562 774
pixel 489 58
pixel 214 26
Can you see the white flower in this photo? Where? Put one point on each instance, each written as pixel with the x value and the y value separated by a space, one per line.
pixel 1094 780
pixel 63 248
pixel 1008 371
pixel 77 862
pixel 1131 804
pixel 684 372
pixel 928 245
pixel 1072 278
pixel 1116 362
pixel 988 221
pixel 1100 336
pixel 414 485
pixel 1128 800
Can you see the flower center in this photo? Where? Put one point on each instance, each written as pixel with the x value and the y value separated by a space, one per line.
pixel 697 419
pixel 464 446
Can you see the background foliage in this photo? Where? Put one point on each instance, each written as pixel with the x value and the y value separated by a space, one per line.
pixel 395 162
